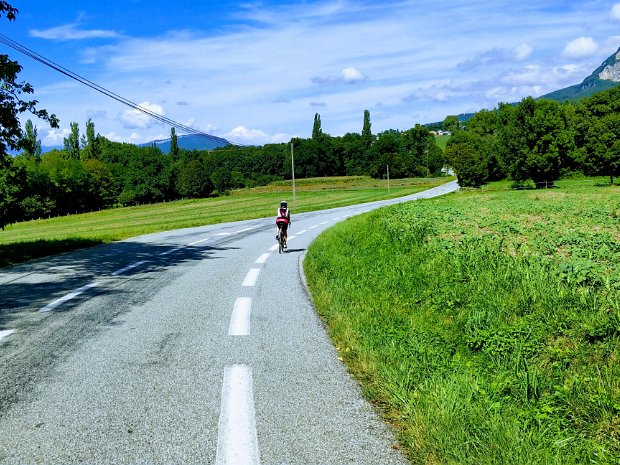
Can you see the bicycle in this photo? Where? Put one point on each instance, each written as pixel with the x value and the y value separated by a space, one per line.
pixel 281 240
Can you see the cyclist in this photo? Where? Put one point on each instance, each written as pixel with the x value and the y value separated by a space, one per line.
pixel 283 220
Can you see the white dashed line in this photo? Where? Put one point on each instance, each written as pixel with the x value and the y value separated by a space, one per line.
pixel 274 247
pixel 289 238
pixel 72 295
pixel 127 268
pixel 303 231
pixel 263 258
pixel 169 251
pixel 5 333
pixel 240 319
pixel 251 277
pixel 237 441
pixel 243 230
pixel 201 240
pixel 315 226
pixel 224 234
pixel 324 222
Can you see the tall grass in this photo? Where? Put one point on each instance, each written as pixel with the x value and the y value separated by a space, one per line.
pixel 485 325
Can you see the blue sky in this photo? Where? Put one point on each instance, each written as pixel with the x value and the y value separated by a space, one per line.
pixel 256 72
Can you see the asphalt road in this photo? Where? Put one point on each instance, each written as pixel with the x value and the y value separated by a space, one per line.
pixel 191 346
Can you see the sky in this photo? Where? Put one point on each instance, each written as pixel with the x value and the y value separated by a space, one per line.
pixel 256 72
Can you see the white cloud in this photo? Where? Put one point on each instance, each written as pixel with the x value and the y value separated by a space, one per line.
pixel 243 133
pixel 614 14
pixel 580 48
pixel 55 137
pixel 497 56
pixel 136 119
pixel 71 32
pixel 522 52
pixel 351 75
pixel 347 76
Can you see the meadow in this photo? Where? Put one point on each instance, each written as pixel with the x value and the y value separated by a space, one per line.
pixel 484 325
pixel 27 240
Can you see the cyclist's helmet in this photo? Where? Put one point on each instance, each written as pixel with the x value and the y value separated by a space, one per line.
pixel 283 204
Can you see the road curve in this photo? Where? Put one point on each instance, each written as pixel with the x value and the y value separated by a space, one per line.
pixel 190 346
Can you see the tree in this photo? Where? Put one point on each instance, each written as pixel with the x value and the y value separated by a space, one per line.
pixel 602 147
pixel 11 105
pixel 72 142
pixel 465 154
pixel 30 142
pixel 174 146
pixel 90 142
pixel 316 128
pixel 194 181
pixel 424 155
pixel 366 133
pixel 451 123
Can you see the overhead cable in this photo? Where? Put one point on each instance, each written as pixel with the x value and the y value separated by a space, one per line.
pixel 47 62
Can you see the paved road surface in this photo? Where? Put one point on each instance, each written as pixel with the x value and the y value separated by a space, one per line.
pixel 191 346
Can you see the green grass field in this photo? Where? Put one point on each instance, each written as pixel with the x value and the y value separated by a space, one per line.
pixel 32 239
pixel 442 141
pixel 485 325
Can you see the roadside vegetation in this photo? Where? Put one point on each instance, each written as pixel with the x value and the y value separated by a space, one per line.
pixel 485 325
pixel 36 238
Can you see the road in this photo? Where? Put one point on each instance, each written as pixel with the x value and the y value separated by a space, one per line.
pixel 190 346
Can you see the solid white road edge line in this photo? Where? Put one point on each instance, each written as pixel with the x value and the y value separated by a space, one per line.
pixel 5 333
pixel 71 295
pixel 240 319
pixel 251 277
pixel 237 441
pixel 263 258
pixel 127 268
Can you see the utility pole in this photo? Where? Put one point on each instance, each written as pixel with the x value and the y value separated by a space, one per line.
pixel 388 176
pixel 293 171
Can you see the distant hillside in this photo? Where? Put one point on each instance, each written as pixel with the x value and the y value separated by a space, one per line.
pixel 604 77
pixel 190 142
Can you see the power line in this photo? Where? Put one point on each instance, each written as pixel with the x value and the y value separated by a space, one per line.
pixel 47 62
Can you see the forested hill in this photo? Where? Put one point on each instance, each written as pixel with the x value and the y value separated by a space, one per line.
pixel 189 142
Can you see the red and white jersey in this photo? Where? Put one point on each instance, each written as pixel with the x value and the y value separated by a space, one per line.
pixel 283 214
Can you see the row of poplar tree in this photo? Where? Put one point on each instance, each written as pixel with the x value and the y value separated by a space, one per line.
pixel 93 173
pixel 539 141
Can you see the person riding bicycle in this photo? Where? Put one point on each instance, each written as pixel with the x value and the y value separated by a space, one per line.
pixel 283 220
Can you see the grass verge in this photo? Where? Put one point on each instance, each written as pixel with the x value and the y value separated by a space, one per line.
pixel 23 241
pixel 485 325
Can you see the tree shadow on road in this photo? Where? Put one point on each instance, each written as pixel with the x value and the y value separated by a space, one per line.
pixel 31 286
pixel 20 252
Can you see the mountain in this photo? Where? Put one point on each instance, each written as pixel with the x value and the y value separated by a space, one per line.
pixel 190 142
pixel 604 77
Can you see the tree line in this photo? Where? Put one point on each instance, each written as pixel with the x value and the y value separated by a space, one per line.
pixel 538 141
pixel 92 173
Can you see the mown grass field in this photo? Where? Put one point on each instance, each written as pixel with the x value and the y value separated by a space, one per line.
pixel 442 141
pixel 32 239
pixel 485 325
